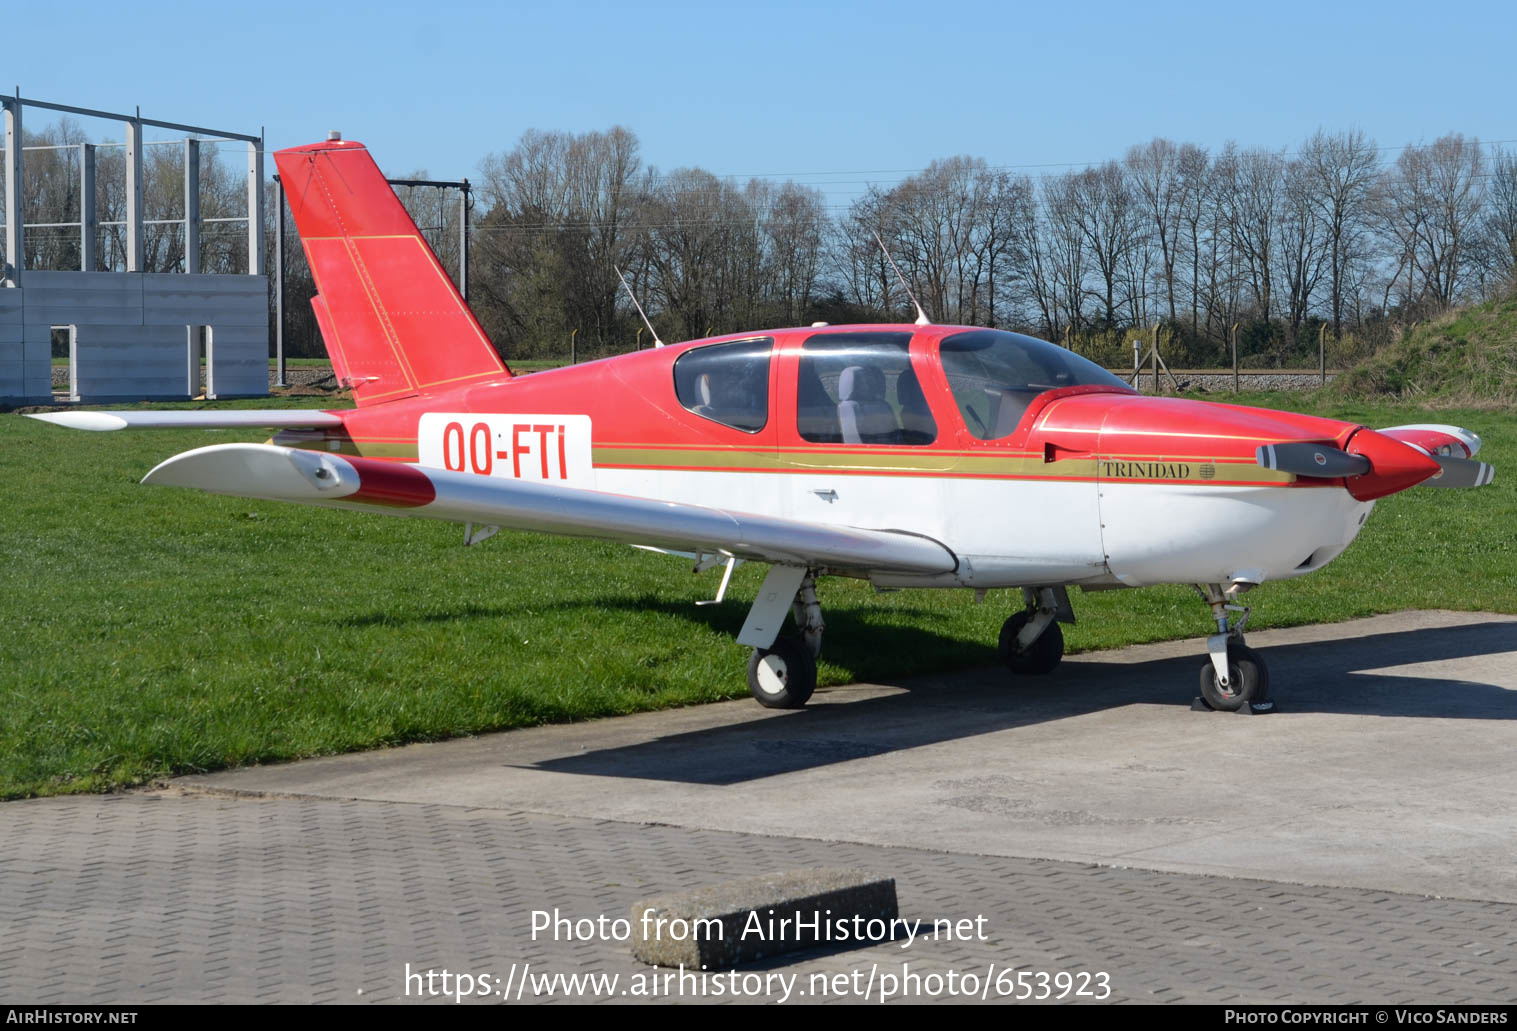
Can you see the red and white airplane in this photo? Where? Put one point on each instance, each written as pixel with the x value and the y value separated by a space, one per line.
pixel 908 455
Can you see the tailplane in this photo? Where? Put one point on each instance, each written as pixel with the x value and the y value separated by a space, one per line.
pixel 393 322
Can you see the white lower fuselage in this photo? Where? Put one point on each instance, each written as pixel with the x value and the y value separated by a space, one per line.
pixel 1009 533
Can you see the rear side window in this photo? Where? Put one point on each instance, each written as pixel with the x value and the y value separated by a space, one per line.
pixel 860 388
pixel 727 383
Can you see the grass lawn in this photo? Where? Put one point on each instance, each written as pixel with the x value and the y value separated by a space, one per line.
pixel 151 632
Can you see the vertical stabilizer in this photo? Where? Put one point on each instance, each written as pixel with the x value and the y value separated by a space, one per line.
pixel 393 322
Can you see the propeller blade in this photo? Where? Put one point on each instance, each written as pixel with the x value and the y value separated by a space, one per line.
pixel 1306 459
pixel 1460 472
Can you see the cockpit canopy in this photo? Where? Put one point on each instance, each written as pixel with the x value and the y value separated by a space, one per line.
pixel 862 386
pixel 994 375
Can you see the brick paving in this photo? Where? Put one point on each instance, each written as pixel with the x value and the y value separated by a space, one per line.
pixel 172 897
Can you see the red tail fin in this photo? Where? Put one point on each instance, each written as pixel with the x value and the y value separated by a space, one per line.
pixel 393 322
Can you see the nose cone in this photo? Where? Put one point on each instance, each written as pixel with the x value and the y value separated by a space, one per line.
pixel 1212 442
pixel 1183 499
pixel 1393 465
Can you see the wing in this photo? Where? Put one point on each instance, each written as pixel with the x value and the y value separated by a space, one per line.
pixel 317 478
pixel 207 419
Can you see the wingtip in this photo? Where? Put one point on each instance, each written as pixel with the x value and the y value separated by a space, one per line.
pixel 96 421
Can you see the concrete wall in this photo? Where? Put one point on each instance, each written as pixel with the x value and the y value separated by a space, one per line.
pixel 132 337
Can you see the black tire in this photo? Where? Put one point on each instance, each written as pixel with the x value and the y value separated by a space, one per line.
pixel 1249 678
pixel 783 675
pixel 1041 657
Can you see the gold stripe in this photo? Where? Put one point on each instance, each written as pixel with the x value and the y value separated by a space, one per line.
pixel 932 462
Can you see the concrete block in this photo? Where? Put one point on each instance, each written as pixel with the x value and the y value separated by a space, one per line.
pixel 12 379
pixel 11 320
pixel 174 299
pixel 722 925
pixel 37 344
pixel 38 379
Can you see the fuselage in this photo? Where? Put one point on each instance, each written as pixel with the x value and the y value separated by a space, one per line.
pixel 1029 466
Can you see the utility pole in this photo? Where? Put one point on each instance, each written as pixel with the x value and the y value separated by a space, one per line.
pixel 279 376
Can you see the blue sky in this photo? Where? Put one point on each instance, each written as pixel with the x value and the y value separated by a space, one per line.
pixel 836 94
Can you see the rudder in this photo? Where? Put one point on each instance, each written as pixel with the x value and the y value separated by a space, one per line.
pixel 393 322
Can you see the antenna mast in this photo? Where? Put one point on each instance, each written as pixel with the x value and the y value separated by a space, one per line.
pixel 656 341
pixel 922 319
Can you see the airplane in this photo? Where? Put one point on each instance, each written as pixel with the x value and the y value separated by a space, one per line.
pixel 909 455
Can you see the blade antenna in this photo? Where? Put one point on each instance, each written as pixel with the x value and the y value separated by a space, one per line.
pixel 922 319
pixel 656 341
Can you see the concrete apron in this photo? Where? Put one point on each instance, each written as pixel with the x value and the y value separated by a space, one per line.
pixel 1391 764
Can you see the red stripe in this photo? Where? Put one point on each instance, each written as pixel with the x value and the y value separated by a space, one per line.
pixel 391 483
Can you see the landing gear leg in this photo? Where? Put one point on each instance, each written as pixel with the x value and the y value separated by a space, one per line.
pixel 782 668
pixel 807 612
pixel 1031 642
pixel 1234 675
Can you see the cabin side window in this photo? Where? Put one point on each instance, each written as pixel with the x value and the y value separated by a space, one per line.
pixel 727 383
pixel 860 388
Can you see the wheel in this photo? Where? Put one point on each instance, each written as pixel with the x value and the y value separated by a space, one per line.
pixel 1248 676
pixel 1038 658
pixel 783 675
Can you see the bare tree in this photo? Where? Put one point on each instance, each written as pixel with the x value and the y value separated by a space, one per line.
pixel 1193 192
pixel 795 229
pixel 1430 204
pixel 1341 170
pixel 1154 170
pixel 1108 216
pixel 1066 247
pixel 1303 245
pixel 1250 185
pixel 1499 228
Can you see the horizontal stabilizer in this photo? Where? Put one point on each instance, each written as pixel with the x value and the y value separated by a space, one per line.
pixel 202 419
pixel 366 484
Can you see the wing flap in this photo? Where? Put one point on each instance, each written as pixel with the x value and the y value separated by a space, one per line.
pixel 312 477
pixel 201 419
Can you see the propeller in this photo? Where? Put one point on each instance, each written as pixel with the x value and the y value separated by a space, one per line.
pixel 1460 472
pixel 1307 459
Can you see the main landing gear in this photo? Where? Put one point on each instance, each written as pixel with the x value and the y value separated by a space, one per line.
pixel 782 675
pixel 1234 675
pixel 1031 642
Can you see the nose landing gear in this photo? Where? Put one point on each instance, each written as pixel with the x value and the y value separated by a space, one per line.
pixel 1234 676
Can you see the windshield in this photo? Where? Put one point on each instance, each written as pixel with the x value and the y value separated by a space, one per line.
pixel 994 375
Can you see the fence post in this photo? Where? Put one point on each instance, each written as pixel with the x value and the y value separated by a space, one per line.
pixel 1235 357
pixel 1322 352
pixel 1156 359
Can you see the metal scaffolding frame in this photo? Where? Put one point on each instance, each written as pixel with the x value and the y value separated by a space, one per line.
pixel 15 223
